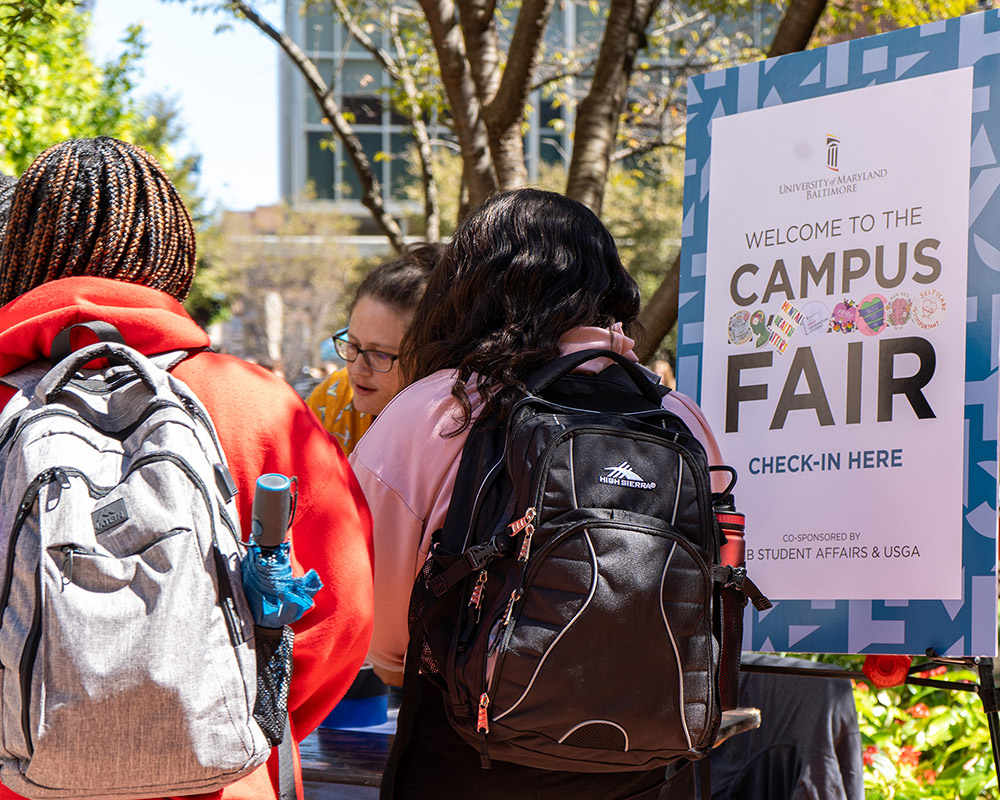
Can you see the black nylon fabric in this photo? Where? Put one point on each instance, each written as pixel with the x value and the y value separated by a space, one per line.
pixel 594 639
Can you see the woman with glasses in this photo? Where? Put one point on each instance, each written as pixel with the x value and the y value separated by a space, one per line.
pixel 383 305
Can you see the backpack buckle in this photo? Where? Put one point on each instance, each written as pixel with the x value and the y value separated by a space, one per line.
pixel 481 554
pixel 737 578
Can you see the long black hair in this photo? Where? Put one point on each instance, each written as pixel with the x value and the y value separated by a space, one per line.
pixel 523 269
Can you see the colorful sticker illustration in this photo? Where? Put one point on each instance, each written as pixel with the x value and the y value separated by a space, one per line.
pixel 845 317
pixel 899 309
pixel 871 317
pixel 758 325
pixel 929 308
pixel 815 318
pixel 739 328
pixel 783 325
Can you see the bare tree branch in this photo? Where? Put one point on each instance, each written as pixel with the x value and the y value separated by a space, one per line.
pixel 399 71
pixel 507 107
pixel 432 209
pixel 646 147
pixel 371 190
pixel 482 46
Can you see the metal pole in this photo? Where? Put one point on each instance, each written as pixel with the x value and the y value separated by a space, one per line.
pixel 988 694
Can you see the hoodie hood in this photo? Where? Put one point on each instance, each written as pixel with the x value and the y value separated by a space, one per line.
pixel 150 320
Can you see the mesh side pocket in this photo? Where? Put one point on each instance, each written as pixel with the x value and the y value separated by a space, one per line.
pixel 274 674
pixel 432 620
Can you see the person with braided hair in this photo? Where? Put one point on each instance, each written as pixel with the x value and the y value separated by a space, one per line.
pixel 98 232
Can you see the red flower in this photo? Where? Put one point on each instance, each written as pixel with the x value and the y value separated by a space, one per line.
pixel 909 755
pixel 929 776
pixel 884 671
pixel 919 711
pixel 868 756
pixel 932 673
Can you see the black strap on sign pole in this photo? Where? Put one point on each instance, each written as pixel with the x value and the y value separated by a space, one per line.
pixel 986 688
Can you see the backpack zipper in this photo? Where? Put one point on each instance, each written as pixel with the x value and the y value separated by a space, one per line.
pixel 499 647
pixel 27 501
pixel 27 665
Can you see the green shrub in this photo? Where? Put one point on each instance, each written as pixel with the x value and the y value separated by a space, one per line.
pixel 923 742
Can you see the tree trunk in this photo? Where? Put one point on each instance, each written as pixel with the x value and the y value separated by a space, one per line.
pixel 371 190
pixel 482 46
pixel 463 99
pixel 507 147
pixel 399 71
pixel 504 110
pixel 796 27
pixel 600 111
pixel 659 315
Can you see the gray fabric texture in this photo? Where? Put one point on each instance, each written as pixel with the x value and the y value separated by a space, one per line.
pixel 126 644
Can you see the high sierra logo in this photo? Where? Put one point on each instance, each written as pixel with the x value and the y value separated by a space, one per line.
pixel 623 475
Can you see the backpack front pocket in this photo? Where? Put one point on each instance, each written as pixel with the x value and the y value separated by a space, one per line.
pixel 611 630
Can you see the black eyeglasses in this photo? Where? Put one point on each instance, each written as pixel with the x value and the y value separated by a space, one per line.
pixel 375 359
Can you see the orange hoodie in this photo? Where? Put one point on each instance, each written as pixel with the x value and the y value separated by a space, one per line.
pixel 264 427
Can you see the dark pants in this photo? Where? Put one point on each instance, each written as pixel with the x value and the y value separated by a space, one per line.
pixel 430 760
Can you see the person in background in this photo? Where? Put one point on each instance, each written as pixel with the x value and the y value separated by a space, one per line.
pixel 527 276
pixel 349 400
pixel 8 183
pixel 98 232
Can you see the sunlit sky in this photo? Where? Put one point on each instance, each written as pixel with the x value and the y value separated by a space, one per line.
pixel 225 85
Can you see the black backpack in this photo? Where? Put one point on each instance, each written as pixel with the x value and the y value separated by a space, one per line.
pixel 571 609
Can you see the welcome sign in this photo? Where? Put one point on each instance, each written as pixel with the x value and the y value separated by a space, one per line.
pixel 839 281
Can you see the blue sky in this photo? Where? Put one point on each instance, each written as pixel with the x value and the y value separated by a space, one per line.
pixel 225 85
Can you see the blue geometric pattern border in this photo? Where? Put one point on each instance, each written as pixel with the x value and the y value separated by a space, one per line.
pixel 960 627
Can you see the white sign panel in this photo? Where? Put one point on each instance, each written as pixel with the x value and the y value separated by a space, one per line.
pixel 834 336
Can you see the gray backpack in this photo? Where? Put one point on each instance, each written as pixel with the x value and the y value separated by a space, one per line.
pixel 128 654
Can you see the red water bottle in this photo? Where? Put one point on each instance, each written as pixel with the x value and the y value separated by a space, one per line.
pixel 733 524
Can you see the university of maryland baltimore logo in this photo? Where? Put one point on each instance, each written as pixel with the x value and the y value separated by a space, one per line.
pixel 832 152
pixel 623 475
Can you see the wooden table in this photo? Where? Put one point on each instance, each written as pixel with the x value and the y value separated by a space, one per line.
pixel 356 757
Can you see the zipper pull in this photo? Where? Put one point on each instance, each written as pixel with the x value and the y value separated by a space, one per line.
pixel 483 725
pixel 477 594
pixel 517 526
pixel 60 475
pixel 67 565
pixel 529 530
pixel 483 728
pixel 514 597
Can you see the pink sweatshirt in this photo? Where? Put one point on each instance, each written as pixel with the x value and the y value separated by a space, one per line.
pixel 407 466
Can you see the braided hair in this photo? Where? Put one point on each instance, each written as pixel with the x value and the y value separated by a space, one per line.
pixel 98 207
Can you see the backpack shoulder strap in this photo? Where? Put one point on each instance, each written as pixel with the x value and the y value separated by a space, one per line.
pixel 482 465
pixel 548 374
